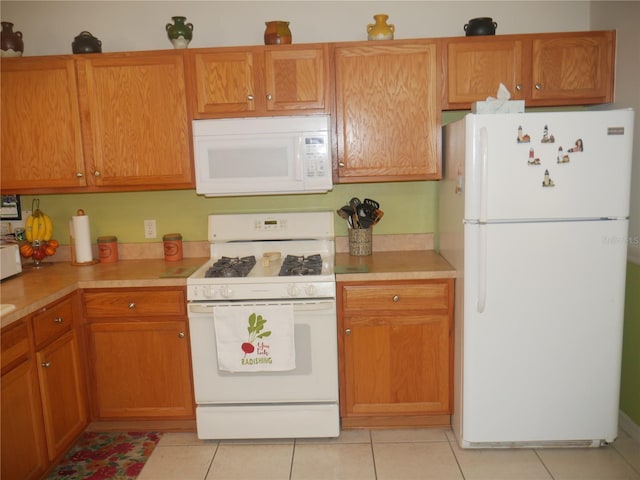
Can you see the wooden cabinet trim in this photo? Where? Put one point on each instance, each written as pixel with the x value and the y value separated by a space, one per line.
pixel 127 304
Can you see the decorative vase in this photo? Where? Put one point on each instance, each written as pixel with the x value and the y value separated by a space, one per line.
pixel 380 30
pixel 480 26
pixel 86 43
pixel 277 33
pixel 11 42
pixel 179 33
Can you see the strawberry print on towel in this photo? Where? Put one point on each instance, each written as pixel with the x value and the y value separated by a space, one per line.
pixel 258 338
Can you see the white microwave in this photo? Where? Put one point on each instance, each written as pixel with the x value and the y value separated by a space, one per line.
pixel 262 156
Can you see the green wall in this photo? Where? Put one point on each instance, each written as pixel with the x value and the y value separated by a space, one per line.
pixel 630 390
pixel 409 207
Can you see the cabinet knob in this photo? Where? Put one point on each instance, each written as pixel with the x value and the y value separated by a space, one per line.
pixel 79 174
pixel 57 320
pixel 538 86
pixel 96 174
pixel 250 97
pixel 132 306
pixel 46 364
pixel 519 87
pixel 347 331
pixel 396 298
pixel 181 335
pixel 269 97
pixel 341 164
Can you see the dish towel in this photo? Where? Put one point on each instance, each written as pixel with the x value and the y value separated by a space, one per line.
pixel 257 338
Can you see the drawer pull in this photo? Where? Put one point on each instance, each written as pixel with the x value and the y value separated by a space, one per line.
pixel 538 86
pixel 57 320
pixel 46 364
pixel 347 331
pixel 181 335
pixel 396 298
pixel 132 305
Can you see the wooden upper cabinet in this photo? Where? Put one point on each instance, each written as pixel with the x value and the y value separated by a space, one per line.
pixel 551 69
pixel 259 81
pixel 224 83
pixel 387 111
pixel 41 133
pixel 576 68
pixel 135 109
pixel 296 79
pixel 475 69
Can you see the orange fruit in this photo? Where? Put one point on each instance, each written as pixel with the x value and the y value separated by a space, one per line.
pixel 26 250
pixel 49 250
pixel 53 243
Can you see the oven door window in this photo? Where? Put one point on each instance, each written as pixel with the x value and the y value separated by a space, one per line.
pixel 313 379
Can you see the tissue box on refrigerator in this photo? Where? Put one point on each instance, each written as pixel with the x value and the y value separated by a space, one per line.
pixel 498 106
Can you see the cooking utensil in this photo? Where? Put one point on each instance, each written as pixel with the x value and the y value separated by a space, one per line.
pixel 345 212
pixel 355 203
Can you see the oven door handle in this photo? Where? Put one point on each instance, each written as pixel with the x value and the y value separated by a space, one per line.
pixel 298 307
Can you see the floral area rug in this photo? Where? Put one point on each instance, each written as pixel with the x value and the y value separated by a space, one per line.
pixel 102 456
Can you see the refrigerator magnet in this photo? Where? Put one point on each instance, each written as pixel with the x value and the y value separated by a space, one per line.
pixel 532 160
pixel 546 136
pixel 578 147
pixel 522 138
pixel 547 182
pixel 562 158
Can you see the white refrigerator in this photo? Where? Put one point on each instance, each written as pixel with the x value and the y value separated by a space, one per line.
pixel 533 214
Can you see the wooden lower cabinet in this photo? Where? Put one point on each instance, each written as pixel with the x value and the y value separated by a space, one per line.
pixel 63 393
pixel 395 346
pixel 139 358
pixel 24 450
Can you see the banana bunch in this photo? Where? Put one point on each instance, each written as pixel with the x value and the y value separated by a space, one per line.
pixel 38 227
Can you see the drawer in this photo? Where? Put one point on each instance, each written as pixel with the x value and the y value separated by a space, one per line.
pixel 52 322
pixel 135 303
pixel 432 296
pixel 14 341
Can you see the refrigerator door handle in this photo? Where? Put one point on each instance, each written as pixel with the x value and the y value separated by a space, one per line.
pixel 484 167
pixel 482 268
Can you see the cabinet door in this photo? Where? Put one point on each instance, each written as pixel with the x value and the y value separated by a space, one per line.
pixel 139 131
pixel 573 68
pixel 396 364
pixel 63 393
pixel 388 114
pixel 141 370
pixel 296 79
pixel 475 68
pixel 41 135
pixel 224 83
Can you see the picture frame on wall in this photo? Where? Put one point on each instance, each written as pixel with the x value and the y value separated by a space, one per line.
pixel 11 209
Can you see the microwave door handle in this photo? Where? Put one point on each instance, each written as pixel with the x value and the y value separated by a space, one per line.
pixel 298 158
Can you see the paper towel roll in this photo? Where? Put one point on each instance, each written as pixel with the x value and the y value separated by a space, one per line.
pixel 81 238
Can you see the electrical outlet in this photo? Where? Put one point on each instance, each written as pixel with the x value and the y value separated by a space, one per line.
pixel 150 229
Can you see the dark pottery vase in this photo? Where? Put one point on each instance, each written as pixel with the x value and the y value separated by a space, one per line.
pixel 179 33
pixel 277 33
pixel 480 26
pixel 86 43
pixel 11 42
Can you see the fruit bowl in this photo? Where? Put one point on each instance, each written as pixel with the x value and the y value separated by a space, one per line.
pixel 38 251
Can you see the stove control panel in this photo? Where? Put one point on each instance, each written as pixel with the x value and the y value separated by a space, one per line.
pixel 271 291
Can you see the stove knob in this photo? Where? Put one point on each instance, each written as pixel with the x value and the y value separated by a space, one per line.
pixel 226 292
pixel 293 291
pixel 208 291
pixel 311 290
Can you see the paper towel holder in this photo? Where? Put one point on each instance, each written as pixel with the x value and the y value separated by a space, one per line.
pixel 80 213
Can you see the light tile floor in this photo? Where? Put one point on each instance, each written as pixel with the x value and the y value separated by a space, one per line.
pixel 382 455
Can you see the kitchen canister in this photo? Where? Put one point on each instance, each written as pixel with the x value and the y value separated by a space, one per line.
pixel 172 247
pixel 108 249
pixel 86 43
pixel 360 240
pixel 380 30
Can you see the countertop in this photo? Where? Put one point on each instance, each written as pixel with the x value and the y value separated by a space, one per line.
pixel 392 265
pixel 35 288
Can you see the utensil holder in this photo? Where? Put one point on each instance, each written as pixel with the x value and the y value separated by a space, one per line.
pixel 360 240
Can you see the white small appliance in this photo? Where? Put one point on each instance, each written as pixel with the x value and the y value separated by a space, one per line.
pixel 261 264
pixel 10 263
pixel 534 217
pixel 262 156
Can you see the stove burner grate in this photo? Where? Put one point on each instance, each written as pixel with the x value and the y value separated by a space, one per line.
pixel 299 265
pixel 231 267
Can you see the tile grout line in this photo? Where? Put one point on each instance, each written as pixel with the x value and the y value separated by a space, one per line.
pixel 535 450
